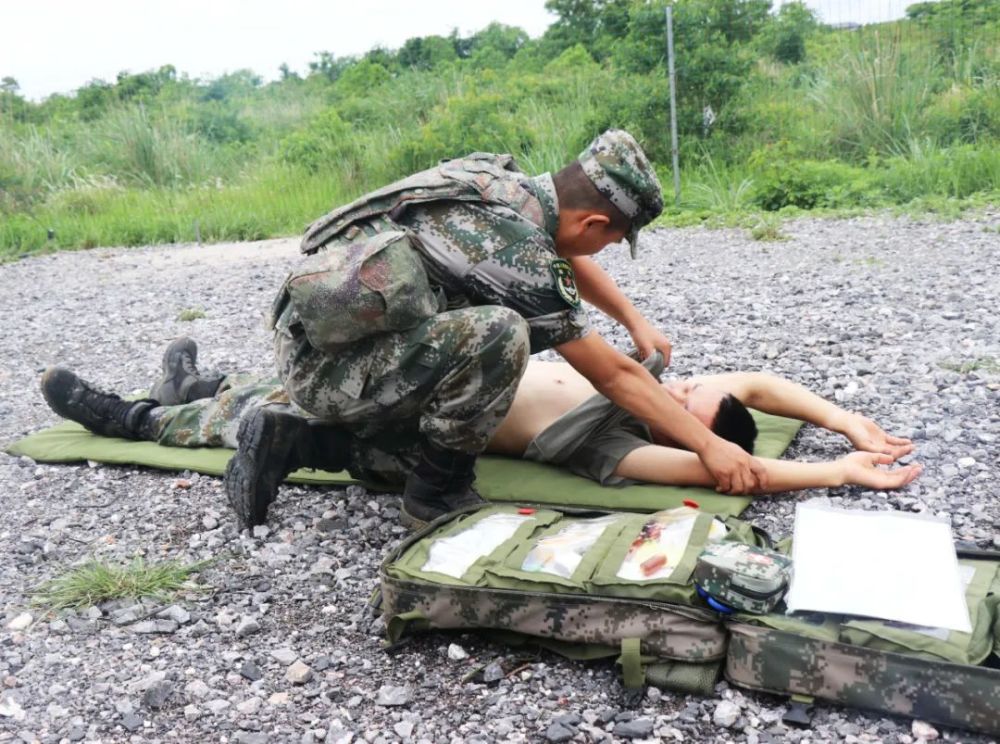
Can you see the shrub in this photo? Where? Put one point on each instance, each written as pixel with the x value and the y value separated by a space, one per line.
pixel 325 143
pixel 465 124
pixel 782 181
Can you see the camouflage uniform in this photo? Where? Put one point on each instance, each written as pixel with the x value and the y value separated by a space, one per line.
pixel 452 378
pixel 485 234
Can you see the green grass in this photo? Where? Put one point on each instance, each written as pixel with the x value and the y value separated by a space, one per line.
pixel 191 313
pixel 95 582
pixel 988 365
pixel 767 229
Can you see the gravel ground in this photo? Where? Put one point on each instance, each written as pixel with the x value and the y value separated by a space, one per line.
pixel 879 313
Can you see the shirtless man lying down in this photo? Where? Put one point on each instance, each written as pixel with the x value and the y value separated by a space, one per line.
pixel 556 417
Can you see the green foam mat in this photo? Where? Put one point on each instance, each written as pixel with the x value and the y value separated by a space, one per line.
pixel 499 478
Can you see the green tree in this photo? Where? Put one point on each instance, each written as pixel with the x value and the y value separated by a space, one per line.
pixel 426 52
pixel 595 24
pixel 328 66
pixel 784 38
pixel 362 78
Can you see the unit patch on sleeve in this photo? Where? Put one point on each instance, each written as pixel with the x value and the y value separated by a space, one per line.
pixel 562 270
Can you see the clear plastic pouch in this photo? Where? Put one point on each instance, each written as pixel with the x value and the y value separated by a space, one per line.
pixel 455 554
pixel 559 554
pixel 662 543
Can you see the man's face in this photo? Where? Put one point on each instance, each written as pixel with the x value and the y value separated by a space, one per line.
pixel 701 401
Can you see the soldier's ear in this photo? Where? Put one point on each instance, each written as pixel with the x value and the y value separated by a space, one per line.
pixel 595 219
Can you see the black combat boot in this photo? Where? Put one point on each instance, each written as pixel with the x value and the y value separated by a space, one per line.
pixel 182 382
pixel 441 482
pixel 272 444
pixel 102 413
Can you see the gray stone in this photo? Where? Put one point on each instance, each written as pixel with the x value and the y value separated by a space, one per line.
pixel 557 732
pixel 176 613
pixel 638 728
pixel 726 714
pixel 403 729
pixel 284 655
pixel 457 653
pixel 299 673
pixel 156 695
pixel 250 737
pixel 251 671
pixel 493 673
pixel 247 626
pixel 132 722
pixel 154 627
pixel 393 695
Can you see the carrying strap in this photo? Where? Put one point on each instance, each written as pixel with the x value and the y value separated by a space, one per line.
pixel 633 675
pixel 398 625
pixel 689 678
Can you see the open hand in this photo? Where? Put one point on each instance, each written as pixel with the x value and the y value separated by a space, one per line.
pixel 734 470
pixel 862 469
pixel 648 339
pixel 868 436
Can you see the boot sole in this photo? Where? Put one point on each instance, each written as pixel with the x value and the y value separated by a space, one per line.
pixel 164 387
pixel 243 477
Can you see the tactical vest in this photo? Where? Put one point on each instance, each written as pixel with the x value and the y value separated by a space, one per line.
pixel 479 177
pixel 356 282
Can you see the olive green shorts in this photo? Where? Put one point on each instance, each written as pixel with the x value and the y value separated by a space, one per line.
pixel 594 437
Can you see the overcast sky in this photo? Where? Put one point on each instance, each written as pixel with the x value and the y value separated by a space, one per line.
pixel 55 46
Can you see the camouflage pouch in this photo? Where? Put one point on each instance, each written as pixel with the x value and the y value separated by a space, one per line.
pixel 742 577
pixel 360 287
pixel 942 676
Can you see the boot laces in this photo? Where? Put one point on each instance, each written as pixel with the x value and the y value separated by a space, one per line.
pixel 187 364
pixel 106 405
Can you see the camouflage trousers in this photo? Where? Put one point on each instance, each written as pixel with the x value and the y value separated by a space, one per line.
pixel 451 380
pixel 384 460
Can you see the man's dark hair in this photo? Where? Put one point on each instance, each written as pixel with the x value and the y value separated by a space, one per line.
pixel 734 422
pixel 576 191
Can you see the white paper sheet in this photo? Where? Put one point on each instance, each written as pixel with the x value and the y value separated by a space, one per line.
pixel 888 565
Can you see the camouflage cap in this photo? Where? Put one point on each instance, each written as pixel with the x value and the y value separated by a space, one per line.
pixel 620 170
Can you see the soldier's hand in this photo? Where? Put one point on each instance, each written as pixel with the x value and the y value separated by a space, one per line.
pixel 648 339
pixel 734 470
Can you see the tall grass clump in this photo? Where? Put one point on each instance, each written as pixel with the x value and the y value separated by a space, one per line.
pixel 151 151
pixel 873 95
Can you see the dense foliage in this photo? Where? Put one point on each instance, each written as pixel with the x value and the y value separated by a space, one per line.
pixel 776 111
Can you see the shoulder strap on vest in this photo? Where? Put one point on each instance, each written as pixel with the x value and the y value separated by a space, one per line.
pixel 482 177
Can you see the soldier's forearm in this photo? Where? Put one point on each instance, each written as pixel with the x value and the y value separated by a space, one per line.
pixel 600 290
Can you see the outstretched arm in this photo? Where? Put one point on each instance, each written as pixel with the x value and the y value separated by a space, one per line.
pixel 600 290
pixel 628 385
pixel 772 394
pixel 676 467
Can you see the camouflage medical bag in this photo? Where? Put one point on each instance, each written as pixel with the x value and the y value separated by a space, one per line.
pixel 588 584
pixel 597 583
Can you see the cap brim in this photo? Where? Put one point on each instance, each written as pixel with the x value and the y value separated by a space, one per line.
pixel 633 242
